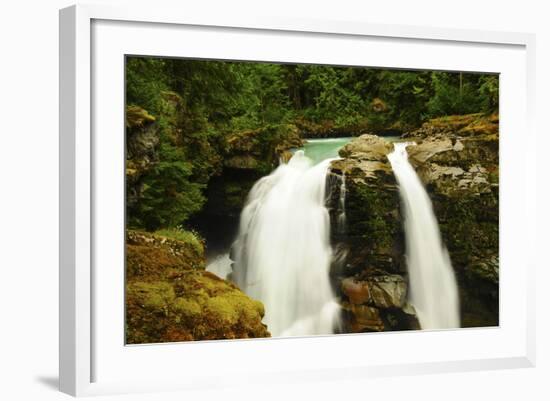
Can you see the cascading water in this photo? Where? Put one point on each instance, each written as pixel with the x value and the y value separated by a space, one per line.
pixel 341 223
pixel 433 289
pixel 220 266
pixel 283 253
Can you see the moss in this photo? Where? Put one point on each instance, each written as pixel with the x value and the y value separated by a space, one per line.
pixel 189 237
pixel 155 296
pixel 467 125
pixel 223 309
pixel 374 237
pixel 168 299
pixel 259 149
pixel 188 308
pixel 371 211
pixel 469 226
pixel 150 257
pixel 137 117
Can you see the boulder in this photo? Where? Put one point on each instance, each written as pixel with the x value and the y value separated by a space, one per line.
pixel 362 318
pixel 170 297
pixel 381 291
pixel 367 147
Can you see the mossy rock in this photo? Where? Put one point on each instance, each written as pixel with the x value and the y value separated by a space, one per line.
pixel 373 239
pixel 260 149
pixel 458 125
pixel 152 257
pixel 137 117
pixel 169 296
pixel 457 159
pixel 367 147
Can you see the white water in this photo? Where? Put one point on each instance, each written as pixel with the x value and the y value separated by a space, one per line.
pixel 341 223
pixel 283 254
pixel 433 290
pixel 220 266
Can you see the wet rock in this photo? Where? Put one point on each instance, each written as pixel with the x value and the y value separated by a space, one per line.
pixel 372 284
pixel 362 318
pixel 260 149
pixel 385 291
pixel 367 147
pixel 374 234
pixel 248 155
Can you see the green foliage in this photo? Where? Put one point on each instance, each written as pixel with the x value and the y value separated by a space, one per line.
pixel 199 104
pixel 406 93
pixel 169 197
pixel 180 234
pixel 462 93
pixel 263 98
pixel 146 79
pixel 154 296
pixel 333 95
pixel 488 91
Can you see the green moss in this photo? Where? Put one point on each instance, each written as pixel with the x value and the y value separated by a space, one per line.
pixel 187 307
pixel 469 225
pixel 223 309
pixel 234 307
pixel 155 296
pixel 259 307
pixel 137 116
pixel 169 300
pixel 371 211
pixel 182 235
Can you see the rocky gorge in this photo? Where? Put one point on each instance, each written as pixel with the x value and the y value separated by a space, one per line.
pixel 170 296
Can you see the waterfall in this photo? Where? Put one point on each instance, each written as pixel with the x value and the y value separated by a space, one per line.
pixel 220 266
pixel 433 290
pixel 282 253
pixel 341 222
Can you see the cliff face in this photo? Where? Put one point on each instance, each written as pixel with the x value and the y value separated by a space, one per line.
pixel 460 169
pixel 170 297
pixel 142 140
pixel 457 159
pixel 247 156
pixel 370 272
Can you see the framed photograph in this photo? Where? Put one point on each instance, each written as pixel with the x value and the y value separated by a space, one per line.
pixel 282 200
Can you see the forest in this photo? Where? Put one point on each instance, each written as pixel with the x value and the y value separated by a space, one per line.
pixel 196 106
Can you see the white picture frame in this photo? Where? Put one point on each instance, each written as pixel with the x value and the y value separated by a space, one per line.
pixel 92 36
